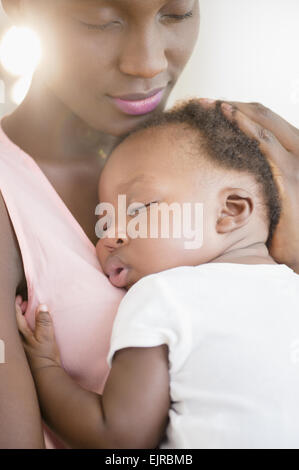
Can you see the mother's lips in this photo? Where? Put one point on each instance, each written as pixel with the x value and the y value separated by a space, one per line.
pixel 117 271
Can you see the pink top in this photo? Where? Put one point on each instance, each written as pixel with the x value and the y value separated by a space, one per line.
pixel 61 267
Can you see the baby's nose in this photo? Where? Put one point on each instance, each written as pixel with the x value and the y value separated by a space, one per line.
pixel 114 243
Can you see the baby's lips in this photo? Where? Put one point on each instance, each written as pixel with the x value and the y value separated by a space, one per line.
pixel 117 271
pixel 112 265
pixel 119 279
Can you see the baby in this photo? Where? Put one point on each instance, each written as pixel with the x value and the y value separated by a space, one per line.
pixel 205 346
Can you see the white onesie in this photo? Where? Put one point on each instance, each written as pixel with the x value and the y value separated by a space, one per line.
pixel 233 337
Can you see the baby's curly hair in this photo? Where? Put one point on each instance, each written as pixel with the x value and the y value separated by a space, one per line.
pixel 225 145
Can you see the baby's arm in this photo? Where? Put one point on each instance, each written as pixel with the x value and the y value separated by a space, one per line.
pixel 131 413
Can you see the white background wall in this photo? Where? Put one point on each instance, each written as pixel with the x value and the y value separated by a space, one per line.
pixel 248 50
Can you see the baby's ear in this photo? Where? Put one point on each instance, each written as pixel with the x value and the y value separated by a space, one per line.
pixel 236 207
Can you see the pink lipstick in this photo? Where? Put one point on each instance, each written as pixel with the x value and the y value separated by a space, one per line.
pixel 139 104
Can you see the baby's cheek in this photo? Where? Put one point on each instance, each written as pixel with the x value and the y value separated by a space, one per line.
pixel 158 254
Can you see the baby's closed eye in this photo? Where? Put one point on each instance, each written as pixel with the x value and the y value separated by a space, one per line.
pixel 136 207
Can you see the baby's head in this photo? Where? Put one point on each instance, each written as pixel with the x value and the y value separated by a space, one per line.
pixel 187 157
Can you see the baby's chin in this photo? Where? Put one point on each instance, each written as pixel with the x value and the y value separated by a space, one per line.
pixel 128 287
pixel 133 280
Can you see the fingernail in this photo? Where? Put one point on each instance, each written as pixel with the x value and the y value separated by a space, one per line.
pixel 43 308
pixel 227 107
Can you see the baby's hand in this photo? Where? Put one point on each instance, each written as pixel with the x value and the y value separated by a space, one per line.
pixel 22 303
pixel 40 345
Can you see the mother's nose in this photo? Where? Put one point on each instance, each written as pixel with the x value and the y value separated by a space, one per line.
pixel 143 53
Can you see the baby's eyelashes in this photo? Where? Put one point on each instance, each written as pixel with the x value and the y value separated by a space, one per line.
pixel 135 208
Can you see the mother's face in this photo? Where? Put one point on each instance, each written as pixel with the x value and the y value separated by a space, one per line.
pixel 95 49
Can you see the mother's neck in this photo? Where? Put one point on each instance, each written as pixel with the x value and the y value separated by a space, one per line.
pixel 47 130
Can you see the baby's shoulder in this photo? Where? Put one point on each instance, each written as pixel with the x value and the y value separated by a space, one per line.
pixel 180 282
pixel 214 277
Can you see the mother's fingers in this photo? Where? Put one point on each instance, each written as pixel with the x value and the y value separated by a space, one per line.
pixel 284 164
pixel 280 160
pixel 269 144
pixel 287 134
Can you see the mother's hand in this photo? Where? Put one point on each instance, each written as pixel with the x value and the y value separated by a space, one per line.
pixel 279 142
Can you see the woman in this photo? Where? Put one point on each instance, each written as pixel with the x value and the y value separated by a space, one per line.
pixel 50 161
